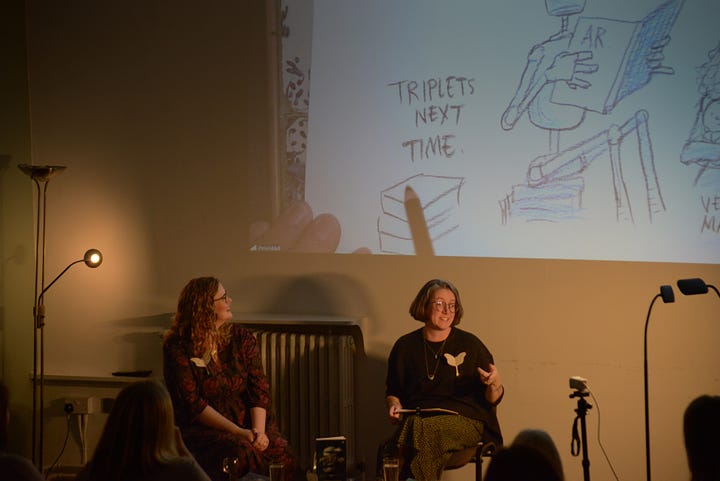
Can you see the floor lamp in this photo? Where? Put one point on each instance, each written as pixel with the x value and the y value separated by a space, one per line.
pixel 41 174
pixel 688 287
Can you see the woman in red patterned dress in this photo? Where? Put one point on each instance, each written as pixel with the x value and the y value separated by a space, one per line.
pixel 220 394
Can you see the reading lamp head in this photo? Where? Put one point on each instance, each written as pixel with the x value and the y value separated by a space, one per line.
pixel 693 286
pixel 667 294
pixel 93 258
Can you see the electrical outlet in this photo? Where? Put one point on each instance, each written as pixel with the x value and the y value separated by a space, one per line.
pixel 83 405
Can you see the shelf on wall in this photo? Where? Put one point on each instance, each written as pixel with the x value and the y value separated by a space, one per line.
pixel 66 379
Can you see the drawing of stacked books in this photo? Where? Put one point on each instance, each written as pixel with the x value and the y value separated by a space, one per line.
pixel 439 199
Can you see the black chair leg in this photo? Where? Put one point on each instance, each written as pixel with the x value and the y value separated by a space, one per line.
pixel 478 467
pixel 484 449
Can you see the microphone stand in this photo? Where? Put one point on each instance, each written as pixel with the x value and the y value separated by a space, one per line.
pixel 582 408
pixel 668 296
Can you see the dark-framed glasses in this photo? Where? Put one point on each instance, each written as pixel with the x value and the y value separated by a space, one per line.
pixel 224 297
pixel 441 306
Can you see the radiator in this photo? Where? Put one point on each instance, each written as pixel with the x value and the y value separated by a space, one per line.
pixel 311 378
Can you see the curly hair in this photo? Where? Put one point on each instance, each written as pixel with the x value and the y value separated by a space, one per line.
pixel 195 318
pixel 420 307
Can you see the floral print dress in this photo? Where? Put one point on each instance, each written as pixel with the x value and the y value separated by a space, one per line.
pixel 232 386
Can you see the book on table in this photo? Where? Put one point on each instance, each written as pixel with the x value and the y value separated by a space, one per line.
pixel 331 453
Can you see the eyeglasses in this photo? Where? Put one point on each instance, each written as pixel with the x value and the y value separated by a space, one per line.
pixel 224 297
pixel 441 306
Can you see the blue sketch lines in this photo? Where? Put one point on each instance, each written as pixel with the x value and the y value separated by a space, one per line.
pixel 590 68
pixel 703 145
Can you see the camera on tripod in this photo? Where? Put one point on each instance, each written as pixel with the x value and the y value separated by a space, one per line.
pixel 578 384
pixel 579 439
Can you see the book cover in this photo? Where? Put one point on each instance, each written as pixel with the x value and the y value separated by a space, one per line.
pixel 609 40
pixel 621 50
pixel 331 455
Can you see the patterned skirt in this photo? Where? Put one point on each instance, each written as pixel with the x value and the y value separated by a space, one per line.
pixel 426 443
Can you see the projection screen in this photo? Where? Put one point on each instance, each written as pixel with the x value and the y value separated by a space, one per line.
pixel 523 128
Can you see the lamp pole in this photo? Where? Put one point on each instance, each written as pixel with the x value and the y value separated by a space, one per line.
pixel 668 296
pixel 41 174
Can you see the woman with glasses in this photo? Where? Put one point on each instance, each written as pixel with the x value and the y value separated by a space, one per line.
pixel 219 391
pixel 442 386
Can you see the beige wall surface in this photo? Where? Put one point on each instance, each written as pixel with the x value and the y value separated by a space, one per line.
pixel 159 110
pixel 16 222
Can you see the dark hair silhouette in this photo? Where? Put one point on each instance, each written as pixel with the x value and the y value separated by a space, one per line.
pixel 701 424
pixel 521 463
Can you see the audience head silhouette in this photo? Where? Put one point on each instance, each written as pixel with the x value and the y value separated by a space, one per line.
pixel 139 434
pixel 542 442
pixel 701 424
pixel 520 463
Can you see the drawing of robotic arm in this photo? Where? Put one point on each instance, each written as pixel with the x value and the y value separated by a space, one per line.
pixel 574 160
pixel 547 63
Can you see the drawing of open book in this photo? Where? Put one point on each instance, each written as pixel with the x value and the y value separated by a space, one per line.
pixel 621 50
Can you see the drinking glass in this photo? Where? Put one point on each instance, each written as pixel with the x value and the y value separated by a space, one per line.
pixel 276 471
pixel 230 467
pixel 391 468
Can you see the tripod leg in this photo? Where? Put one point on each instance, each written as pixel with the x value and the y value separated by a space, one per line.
pixel 585 460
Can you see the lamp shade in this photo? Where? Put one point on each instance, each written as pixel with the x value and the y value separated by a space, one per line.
pixel 690 287
pixel 41 173
pixel 93 258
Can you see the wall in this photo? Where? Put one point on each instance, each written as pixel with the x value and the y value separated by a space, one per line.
pixel 16 224
pixel 159 111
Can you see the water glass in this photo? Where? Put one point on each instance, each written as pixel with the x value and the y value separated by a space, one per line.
pixel 391 468
pixel 277 471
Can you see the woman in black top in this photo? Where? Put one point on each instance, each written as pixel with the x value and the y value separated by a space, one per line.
pixel 441 366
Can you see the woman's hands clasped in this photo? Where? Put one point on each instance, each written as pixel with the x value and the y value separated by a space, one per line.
pixel 260 441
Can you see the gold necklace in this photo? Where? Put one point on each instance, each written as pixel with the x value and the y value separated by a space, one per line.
pixel 436 355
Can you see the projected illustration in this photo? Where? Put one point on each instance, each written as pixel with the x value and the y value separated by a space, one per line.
pixel 439 199
pixel 561 129
pixel 702 148
pixel 589 69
